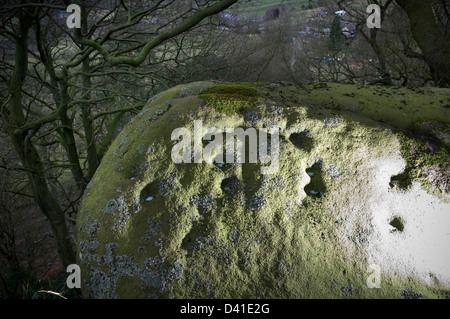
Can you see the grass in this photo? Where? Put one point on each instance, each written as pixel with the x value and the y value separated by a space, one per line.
pixel 26 286
pixel 260 7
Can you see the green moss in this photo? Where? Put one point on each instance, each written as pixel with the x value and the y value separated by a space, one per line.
pixel 252 84
pixel 397 223
pixel 420 156
pixel 398 106
pixel 231 98
pixel 296 246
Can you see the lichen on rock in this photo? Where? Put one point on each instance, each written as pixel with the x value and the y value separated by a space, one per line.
pixel 150 228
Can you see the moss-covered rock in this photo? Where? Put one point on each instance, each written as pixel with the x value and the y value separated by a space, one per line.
pixel 231 98
pixel 324 225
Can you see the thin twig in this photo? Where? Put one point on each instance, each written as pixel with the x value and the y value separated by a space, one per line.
pixel 52 293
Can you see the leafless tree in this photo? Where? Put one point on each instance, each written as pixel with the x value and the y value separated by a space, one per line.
pixel 58 84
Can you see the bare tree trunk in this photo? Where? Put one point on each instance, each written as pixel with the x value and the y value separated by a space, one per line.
pixel 44 199
pixel 434 45
pixel 88 125
pixel 69 144
pixel 30 159
pixel 86 114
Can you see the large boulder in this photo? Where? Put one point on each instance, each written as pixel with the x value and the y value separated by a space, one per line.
pixel 356 208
